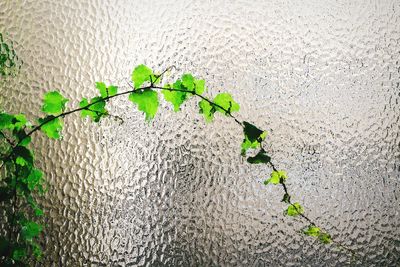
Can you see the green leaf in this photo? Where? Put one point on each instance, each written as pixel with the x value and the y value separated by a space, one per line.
pixel 252 132
pixel 106 91
pixel 25 141
pixel 54 103
pixel 175 97
pixel 38 212
pixel 261 157
pixel 225 101
pixel 141 74
pixel 6 121
pixel 312 230
pixel 30 230
pixel 112 90
pixel 294 209
pixel 22 153
pixel 147 101
pixel 19 254
pixel 21 137
pixel 199 87
pixel 36 250
pixel 252 137
pixel 276 177
pixel 188 81
pixel 21 161
pixel 34 205
pixel 98 106
pixel 52 127
pixel 34 179
pixel 325 238
pixel 207 110
pixel 19 121
pixel 94 111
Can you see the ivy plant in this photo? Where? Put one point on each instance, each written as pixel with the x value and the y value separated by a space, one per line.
pixel 21 182
pixel 9 61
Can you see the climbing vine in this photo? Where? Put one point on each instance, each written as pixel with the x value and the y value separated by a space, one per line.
pixel 21 180
pixel 9 61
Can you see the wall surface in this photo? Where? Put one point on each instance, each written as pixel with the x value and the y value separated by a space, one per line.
pixel 322 76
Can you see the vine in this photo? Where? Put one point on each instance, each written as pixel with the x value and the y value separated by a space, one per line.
pixel 20 180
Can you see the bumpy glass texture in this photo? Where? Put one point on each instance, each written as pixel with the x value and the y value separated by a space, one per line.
pixel 321 76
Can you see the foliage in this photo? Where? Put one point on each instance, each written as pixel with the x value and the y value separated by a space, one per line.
pixel 21 180
pixel 147 101
pixel 9 61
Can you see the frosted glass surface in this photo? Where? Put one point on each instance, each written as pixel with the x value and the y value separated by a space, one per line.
pixel 322 76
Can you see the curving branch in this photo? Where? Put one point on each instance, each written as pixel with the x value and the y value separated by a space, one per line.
pixel 256 138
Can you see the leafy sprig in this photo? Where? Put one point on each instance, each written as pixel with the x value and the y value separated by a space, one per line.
pixel 21 179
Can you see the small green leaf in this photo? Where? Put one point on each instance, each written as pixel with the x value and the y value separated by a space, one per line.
pixel 147 101
pixel 252 132
pixel 207 110
pixel 20 161
pixel 199 86
pixel 225 101
pixel 252 137
pixel 261 157
pixel 140 75
pixel 38 212
pixel 25 154
pixel 34 178
pixel 52 127
pixel 188 81
pixel 34 205
pixel 36 251
pixel 98 106
pixel 6 121
pixel 19 254
pixel 25 141
pixel 312 230
pixel 294 209
pixel 54 103
pixel 106 91
pixel 19 121
pixel 30 230
pixel 282 174
pixel 102 88
pixel 325 238
pixel 276 177
pixel 112 90
pixel 175 97
pixel 94 111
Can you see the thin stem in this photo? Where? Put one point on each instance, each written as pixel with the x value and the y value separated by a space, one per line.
pixel 301 214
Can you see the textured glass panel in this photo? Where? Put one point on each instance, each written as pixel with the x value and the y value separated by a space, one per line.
pixel 322 76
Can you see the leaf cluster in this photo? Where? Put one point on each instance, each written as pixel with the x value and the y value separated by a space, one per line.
pixel 9 61
pixel 20 180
